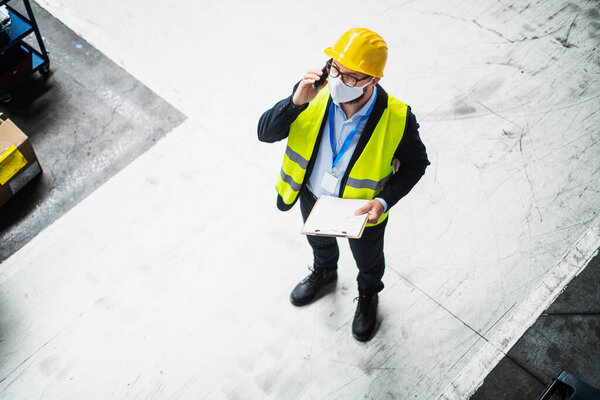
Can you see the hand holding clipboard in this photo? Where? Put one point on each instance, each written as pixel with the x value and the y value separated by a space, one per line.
pixel 332 216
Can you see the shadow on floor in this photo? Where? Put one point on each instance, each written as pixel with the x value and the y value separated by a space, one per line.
pixel 88 121
pixel 566 336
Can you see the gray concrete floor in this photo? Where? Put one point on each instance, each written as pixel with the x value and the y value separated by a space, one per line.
pixel 61 116
pixel 115 297
pixel 566 336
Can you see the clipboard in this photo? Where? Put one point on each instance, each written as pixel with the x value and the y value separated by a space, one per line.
pixel 333 216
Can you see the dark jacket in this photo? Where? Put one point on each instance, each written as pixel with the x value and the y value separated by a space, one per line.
pixel 274 125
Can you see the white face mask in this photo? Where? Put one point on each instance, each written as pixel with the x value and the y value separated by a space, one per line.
pixel 342 93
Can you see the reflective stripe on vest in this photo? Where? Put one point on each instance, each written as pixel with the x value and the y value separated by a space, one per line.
pixel 374 166
pixel 300 145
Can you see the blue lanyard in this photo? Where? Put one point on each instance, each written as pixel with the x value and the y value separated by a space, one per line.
pixel 337 157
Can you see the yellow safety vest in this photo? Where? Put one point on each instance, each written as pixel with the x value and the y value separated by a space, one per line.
pixel 373 168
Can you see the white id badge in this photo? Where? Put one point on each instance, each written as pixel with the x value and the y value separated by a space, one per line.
pixel 329 182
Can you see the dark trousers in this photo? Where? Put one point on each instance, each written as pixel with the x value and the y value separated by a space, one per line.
pixel 367 251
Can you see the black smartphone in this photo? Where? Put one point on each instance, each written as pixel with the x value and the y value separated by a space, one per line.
pixel 317 85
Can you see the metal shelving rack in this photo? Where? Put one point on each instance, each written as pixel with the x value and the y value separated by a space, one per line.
pixel 21 27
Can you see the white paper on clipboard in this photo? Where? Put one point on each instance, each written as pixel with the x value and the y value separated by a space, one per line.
pixel 332 216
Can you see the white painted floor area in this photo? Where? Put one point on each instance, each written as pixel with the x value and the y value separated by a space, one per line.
pixel 171 281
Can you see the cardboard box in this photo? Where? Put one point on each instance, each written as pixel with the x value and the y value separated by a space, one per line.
pixel 18 162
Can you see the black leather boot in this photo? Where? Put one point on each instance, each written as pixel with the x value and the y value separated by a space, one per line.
pixel 365 317
pixel 306 291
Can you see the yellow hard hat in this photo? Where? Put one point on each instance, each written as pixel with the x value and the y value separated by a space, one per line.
pixel 362 50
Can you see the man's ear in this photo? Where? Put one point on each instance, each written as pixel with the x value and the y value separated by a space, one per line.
pixel 375 81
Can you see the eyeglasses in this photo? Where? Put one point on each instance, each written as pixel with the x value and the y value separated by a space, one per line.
pixel 348 80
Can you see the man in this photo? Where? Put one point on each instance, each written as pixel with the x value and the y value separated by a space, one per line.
pixel 347 138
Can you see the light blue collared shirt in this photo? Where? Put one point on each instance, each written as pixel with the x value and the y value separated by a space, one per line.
pixel 343 127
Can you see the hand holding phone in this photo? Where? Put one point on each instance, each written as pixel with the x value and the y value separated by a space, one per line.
pixel 317 85
pixel 308 87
